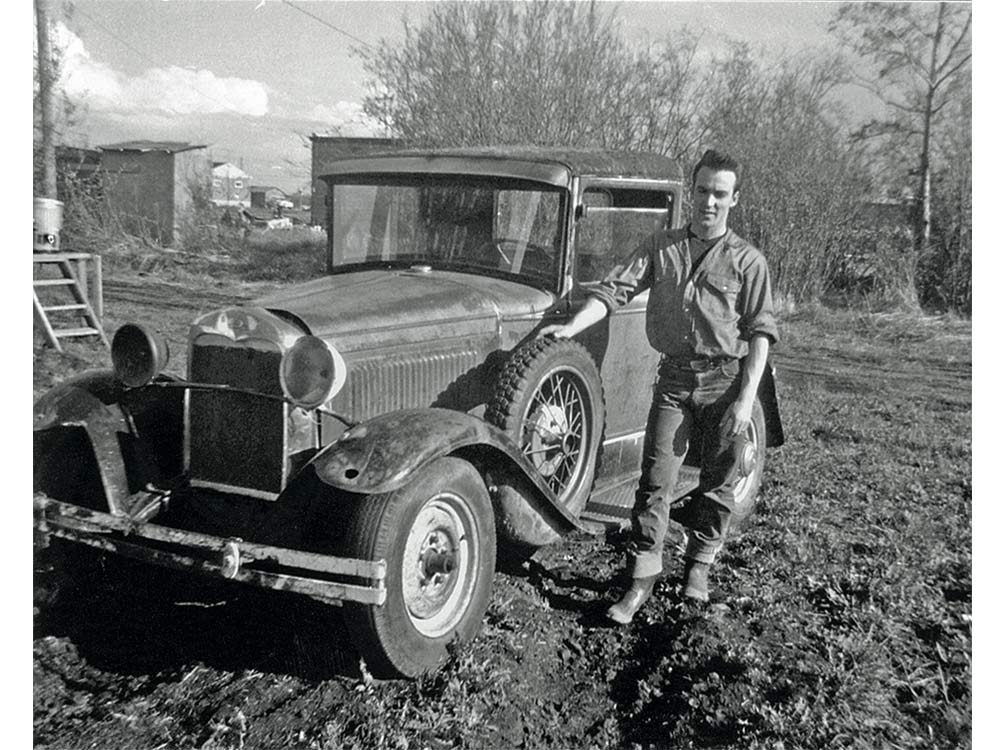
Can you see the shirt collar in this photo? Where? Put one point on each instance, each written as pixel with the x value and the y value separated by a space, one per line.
pixel 692 236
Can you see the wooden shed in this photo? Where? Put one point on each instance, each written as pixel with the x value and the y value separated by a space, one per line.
pixel 154 185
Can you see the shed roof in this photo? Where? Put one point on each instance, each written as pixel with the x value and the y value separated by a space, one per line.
pixel 171 147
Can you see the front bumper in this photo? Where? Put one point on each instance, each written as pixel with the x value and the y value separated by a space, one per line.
pixel 307 573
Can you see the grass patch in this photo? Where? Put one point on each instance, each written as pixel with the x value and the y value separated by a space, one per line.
pixel 235 256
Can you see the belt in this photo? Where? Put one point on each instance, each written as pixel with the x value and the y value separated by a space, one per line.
pixel 704 364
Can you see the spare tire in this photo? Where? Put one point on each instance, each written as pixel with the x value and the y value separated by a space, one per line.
pixel 750 464
pixel 549 399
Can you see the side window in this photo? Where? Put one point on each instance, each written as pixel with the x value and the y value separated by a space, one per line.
pixel 613 223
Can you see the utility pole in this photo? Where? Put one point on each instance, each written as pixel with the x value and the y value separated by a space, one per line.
pixel 45 80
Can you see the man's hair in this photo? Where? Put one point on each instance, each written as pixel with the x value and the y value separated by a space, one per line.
pixel 719 161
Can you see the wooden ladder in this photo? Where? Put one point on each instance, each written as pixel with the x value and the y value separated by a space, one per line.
pixel 70 281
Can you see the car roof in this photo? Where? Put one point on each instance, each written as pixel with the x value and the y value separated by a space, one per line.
pixel 556 166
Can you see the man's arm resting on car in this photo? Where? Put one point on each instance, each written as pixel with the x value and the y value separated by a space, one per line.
pixel 592 311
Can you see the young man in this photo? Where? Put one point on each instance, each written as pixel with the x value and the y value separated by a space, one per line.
pixel 711 317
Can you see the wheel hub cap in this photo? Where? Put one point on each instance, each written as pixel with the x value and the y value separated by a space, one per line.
pixel 550 438
pixel 437 564
pixel 748 457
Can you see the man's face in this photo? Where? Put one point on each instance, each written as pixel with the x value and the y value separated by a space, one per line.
pixel 713 197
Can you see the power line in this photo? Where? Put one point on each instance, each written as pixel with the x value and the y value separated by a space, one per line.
pixel 327 24
pixel 114 36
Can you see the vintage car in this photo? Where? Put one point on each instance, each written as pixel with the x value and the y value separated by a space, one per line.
pixel 370 438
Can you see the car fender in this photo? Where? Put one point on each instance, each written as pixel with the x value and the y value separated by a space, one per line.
pixel 381 454
pixel 108 414
pixel 767 393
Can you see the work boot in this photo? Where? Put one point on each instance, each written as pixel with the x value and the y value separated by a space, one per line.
pixel 635 597
pixel 696 580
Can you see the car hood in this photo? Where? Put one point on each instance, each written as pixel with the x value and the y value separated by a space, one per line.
pixel 353 307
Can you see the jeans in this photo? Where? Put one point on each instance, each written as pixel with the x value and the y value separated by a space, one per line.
pixel 687 409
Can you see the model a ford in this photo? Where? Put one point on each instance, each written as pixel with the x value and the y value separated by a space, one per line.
pixel 369 438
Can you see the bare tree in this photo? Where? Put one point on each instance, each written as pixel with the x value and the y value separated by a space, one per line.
pixel 803 182
pixel 946 273
pixel 45 82
pixel 667 97
pixel 544 73
pixel 920 52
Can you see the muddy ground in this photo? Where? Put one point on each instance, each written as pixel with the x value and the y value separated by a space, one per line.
pixel 809 641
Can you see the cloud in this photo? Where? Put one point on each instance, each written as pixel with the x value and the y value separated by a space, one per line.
pixel 169 89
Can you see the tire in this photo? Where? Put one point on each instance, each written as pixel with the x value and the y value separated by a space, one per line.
pixel 751 466
pixel 550 401
pixel 438 538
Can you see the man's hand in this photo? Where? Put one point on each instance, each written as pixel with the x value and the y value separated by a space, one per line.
pixel 591 312
pixel 737 418
pixel 557 331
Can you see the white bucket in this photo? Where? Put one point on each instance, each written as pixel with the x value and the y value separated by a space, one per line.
pixel 48 224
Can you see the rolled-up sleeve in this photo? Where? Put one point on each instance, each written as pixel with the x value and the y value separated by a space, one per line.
pixel 757 305
pixel 625 280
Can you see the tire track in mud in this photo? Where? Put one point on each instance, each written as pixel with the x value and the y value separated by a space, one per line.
pixel 144 292
pixel 949 382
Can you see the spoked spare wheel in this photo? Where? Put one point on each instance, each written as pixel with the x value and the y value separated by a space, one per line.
pixel 438 539
pixel 549 400
pixel 750 468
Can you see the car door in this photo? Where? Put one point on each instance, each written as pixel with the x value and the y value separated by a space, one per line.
pixel 615 217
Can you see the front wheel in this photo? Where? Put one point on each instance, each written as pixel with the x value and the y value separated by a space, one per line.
pixel 438 538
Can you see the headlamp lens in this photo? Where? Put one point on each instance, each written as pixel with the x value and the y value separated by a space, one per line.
pixel 137 355
pixel 311 372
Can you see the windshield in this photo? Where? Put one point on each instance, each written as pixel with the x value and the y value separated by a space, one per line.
pixel 494 226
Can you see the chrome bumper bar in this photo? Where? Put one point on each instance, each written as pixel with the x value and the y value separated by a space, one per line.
pixel 229 558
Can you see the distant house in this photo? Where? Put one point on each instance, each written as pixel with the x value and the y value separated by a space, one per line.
pixel 153 185
pixel 266 196
pixel 230 185
pixel 327 148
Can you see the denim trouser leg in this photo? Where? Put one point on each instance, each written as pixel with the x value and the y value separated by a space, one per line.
pixel 711 505
pixel 686 406
pixel 667 432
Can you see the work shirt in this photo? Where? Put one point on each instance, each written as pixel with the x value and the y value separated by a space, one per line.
pixel 708 314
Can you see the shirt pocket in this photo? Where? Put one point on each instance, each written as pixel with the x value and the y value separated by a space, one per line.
pixel 718 297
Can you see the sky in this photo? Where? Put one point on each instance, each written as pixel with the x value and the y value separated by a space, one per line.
pixel 252 79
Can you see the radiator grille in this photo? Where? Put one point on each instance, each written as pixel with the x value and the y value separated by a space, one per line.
pixel 383 384
pixel 236 439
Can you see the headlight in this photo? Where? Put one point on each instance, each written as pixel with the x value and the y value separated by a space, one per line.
pixel 137 355
pixel 312 372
